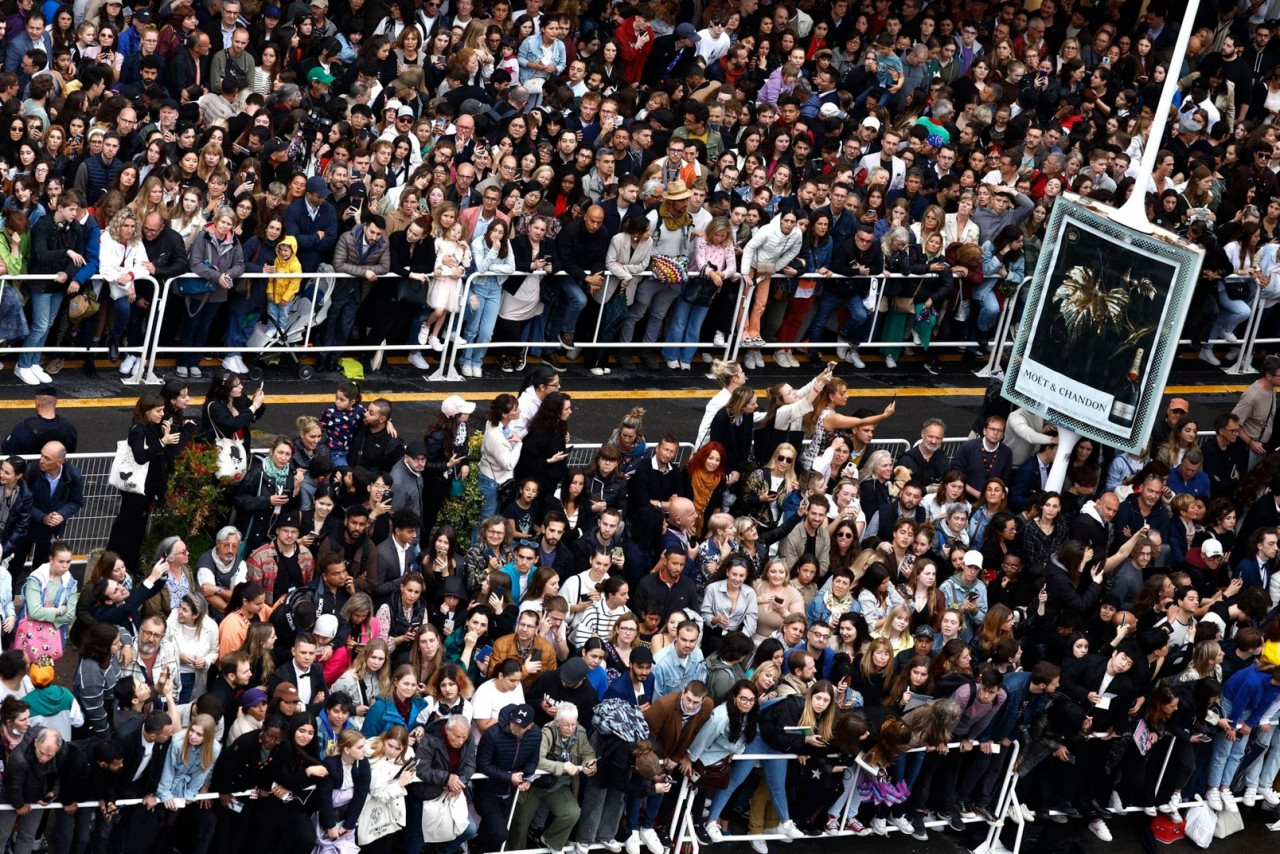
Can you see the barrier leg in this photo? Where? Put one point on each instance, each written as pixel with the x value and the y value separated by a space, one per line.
pixel 1244 361
pixel 447 371
pixel 1002 333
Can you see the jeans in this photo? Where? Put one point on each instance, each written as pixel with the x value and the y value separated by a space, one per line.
pixel 127 322
pixel 651 804
pixel 241 322
pixel 1232 313
pixel 489 489
pixel 685 327
pixel 44 308
pixel 195 331
pixel 1227 755
pixel 853 331
pixel 481 315
pixel 279 314
pixel 655 299
pixel 775 777
pixel 1264 769
pixel 567 299
pixel 27 827
pixel 601 811
pixel 989 308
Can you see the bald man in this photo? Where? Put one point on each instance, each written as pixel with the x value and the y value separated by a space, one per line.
pixel 582 246
pixel 57 494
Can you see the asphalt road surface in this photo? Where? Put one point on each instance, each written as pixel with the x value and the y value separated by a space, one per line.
pixel 674 401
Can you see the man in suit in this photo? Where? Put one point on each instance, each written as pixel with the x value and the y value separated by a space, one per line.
pixel 476 220
pixel 1032 476
pixel 984 457
pixel 671 56
pixel 303 672
pixel 57 494
pixel 145 742
pixel 397 555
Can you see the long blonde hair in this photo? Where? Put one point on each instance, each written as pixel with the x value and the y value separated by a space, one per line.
pixel 207 747
pixel 821 724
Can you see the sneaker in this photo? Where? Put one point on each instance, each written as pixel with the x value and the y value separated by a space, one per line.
pixel 986 815
pixel 714 833
pixel 555 362
pixel 918 830
pixel 1150 811
pixel 900 822
pixel 632 845
pixel 229 364
pixel 760 846
pixel 685 366
pixel 890 362
pixel 880 827
pixel 1275 825
pixel 832 825
pixel 1271 796
pixel 599 372
pixel 1099 828
pixel 195 373
pixel 1058 818
pixel 788 829
pixel 1175 800
pixel 854 359
pixel 27 375
pixel 718 340
pixel 182 372
pixel 433 342
pixel 566 340
pixel 1214 799
pixel 1028 814
pixel 1250 796
pixel 1230 337
pixel 842 353
pixel 1115 804
pixel 673 364
pixel 955 822
pixel 522 360
pixel 707 358
pixel 966 810
pixel 857 828
pixel 126 367
pixel 45 377
pixel 1206 355
pixel 915 338
pixel 416 359
pixel 611 845
pixel 1233 354
pixel 1229 801
pixel 649 837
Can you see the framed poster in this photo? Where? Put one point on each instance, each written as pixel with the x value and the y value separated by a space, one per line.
pixel 1100 326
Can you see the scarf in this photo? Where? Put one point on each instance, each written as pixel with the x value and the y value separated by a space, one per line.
pixel 674 222
pixel 704 483
pixel 278 475
pixel 837 607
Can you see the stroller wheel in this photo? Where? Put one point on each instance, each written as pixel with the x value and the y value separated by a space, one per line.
pixel 305 372
pixel 255 372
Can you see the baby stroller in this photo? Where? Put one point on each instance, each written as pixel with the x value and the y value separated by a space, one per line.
pixel 270 341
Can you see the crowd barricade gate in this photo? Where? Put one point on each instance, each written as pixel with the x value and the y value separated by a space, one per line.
pixel 1244 360
pixel 138 349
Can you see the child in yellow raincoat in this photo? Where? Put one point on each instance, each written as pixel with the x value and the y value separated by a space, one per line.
pixel 282 290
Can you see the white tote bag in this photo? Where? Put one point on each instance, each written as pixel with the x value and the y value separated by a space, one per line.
pixel 445 818
pixel 232 462
pixel 127 475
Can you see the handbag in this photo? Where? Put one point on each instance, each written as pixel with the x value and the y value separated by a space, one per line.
pixel 907 305
pixel 669 269
pixel 715 775
pixel 231 457
pixel 699 290
pixel 82 306
pixel 1201 823
pixel 444 818
pixel 127 474
pixel 412 292
pixel 37 638
pixel 194 286
pixel 1237 287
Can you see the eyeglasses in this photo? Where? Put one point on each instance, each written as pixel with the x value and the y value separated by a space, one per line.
pixel 747 698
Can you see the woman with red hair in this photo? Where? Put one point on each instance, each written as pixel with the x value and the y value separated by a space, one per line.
pixel 706 473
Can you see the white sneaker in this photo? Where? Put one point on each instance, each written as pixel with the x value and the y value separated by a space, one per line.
pixel 229 364
pixel 789 829
pixel 854 359
pixel 1028 814
pixel 1250 796
pixel 597 372
pixel 27 375
pixel 43 375
pixel 1115 803
pixel 900 822
pixel 1275 825
pixel 195 373
pixel 760 846
pixel 915 338
pixel 708 358
pixel 1099 829
pixel 890 362
pixel 718 340
pixel 1206 355
pixel 1229 801
pixel 842 352
pixel 1175 800
pixel 879 826
pixel 127 366
pixel 415 359
pixel 1214 799
pixel 182 372
pixel 632 844
pixel 685 366
pixel 714 833
pixel 649 837
pixel 465 370
pixel 612 845
pixel 1230 337
pixel 435 343
pixel 1271 796
pixel 673 364
pixel 1233 354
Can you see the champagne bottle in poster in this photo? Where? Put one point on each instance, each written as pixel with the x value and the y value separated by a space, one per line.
pixel 1125 405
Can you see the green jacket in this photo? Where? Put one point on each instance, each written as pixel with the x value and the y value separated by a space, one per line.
pixel 577 748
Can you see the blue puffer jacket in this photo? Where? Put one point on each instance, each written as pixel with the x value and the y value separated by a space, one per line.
pixel 502 754
pixel 383 715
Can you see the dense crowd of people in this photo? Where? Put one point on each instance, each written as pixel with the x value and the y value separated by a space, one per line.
pixel 554 675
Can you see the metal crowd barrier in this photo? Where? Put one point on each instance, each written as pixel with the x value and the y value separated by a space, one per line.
pixel 1248 342
pixel 684 827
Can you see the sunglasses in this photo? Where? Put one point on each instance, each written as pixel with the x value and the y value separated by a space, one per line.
pixel 783 459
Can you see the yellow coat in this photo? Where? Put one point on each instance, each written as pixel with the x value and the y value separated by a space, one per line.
pixel 282 289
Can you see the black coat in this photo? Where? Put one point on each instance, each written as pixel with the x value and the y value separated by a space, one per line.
pixel 540 446
pixel 17 525
pixel 736 439
pixel 67 499
pixel 433 764
pixel 27 779
pixel 129 737
pixel 255 514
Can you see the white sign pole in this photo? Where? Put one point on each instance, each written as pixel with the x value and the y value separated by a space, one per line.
pixel 1134 212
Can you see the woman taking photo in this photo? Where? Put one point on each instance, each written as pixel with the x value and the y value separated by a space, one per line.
pixel 268 496
pixel 224 414
pixel 775 598
pixel 150 436
pixel 545 453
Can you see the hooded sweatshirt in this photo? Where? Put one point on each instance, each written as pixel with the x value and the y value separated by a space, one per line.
pixel 282 289
pixel 55 706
